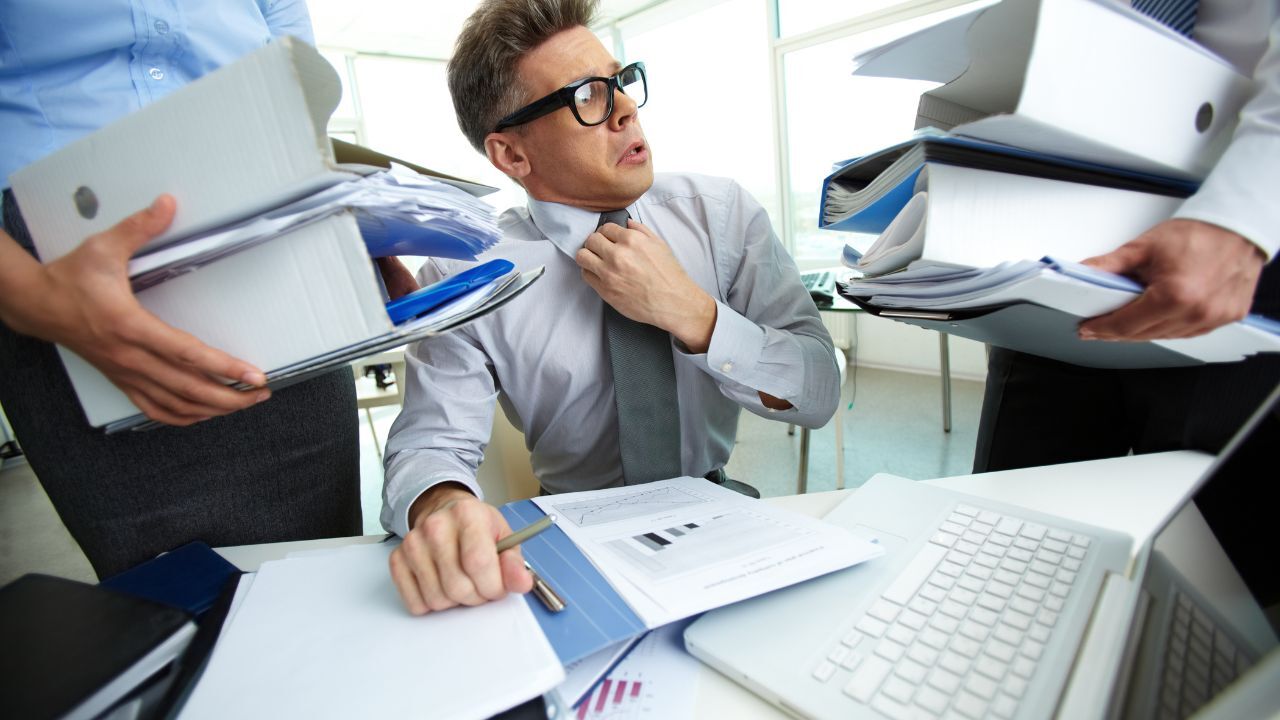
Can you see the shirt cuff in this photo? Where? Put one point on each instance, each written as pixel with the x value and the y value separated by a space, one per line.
pixel 1238 194
pixel 397 521
pixel 735 348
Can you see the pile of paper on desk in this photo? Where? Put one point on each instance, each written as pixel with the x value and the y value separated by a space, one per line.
pixel 324 633
pixel 965 214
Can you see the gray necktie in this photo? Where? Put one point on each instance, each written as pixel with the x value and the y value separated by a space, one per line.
pixel 1177 14
pixel 644 387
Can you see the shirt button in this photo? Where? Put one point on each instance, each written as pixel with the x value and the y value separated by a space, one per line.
pixel 161 27
pixel 727 367
pixel 156 73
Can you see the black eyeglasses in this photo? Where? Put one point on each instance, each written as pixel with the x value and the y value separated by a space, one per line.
pixel 590 99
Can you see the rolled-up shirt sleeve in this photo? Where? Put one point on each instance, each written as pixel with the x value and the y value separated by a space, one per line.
pixel 768 336
pixel 1240 193
pixel 441 434
pixel 288 17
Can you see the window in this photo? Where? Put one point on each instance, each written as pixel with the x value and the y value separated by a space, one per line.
pixel 830 116
pixel 800 16
pixel 709 107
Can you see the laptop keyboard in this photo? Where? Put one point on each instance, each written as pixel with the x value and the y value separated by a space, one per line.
pixel 1199 662
pixel 962 628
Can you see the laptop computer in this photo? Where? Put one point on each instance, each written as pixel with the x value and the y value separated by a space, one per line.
pixel 978 609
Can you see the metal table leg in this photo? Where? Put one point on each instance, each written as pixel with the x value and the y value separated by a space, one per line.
pixel 802 484
pixel 944 350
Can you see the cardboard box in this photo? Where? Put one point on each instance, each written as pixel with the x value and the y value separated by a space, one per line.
pixel 241 140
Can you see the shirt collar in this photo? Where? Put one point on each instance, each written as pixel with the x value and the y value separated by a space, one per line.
pixel 567 227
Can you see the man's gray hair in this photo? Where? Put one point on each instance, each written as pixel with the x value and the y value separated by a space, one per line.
pixel 483 79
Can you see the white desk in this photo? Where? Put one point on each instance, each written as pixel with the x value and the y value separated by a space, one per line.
pixel 1129 494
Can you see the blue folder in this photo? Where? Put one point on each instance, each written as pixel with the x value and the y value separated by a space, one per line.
pixel 595 616
pixel 190 577
pixel 424 300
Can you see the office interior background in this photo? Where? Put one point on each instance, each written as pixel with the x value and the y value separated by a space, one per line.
pixel 757 90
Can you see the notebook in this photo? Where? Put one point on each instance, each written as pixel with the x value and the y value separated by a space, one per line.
pixel 73 650
pixel 978 608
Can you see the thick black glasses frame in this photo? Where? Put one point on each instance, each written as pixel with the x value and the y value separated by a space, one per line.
pixel 564 98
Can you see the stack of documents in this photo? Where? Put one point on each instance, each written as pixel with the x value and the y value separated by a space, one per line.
pixel 865 194
pixel 270 255
pixel 1034 306
pixel 1091 80
pixel 1046 152
pixel 398 211
pixel 323 634
pixel 937 199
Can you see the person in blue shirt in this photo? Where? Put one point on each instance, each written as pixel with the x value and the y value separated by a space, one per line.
pixel 251 467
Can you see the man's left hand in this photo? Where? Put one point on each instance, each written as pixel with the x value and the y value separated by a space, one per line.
pixel 1198 277
pixel 396 277
pixel 634 271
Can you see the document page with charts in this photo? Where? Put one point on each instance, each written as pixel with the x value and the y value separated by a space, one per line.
pixel 679 547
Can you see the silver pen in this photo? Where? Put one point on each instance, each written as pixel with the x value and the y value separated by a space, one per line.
pixel 549 598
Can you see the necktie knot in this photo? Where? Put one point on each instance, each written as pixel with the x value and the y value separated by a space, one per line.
pixel 617 217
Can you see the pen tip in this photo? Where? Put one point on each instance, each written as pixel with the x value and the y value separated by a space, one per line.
pixel 553 517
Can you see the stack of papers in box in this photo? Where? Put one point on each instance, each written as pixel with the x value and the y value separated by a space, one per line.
pixel 270 255
pixel 399 212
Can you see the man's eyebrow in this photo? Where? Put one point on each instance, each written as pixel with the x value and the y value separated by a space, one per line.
pixel 613 69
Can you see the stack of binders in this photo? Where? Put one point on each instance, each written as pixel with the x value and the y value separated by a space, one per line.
pixel 270 255
pixel 1063 129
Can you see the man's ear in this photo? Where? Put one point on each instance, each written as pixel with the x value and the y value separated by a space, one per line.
pixel 506 152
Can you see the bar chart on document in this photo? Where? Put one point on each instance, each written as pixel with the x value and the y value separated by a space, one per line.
pixel 669 547
pixel 677 547
pixel 657 679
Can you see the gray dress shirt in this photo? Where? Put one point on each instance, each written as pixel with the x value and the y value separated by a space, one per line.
pixel 544 355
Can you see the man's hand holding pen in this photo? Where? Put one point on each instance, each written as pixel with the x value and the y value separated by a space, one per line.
pixel 451 555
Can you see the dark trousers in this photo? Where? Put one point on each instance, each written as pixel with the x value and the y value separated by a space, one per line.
pixel 287 469
pixel 1042 412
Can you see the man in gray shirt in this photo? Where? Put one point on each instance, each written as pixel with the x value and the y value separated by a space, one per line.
pixel 537 93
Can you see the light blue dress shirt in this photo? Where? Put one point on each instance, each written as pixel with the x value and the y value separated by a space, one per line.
pixel 544 358
pixel 69 67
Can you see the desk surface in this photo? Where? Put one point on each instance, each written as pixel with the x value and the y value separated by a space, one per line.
pixel 1129 494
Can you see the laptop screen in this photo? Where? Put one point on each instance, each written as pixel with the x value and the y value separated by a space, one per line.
pixel 1234 503
pixel 1212 585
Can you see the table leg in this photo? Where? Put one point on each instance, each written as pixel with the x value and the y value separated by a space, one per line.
pixel 803 482
pixel 944 350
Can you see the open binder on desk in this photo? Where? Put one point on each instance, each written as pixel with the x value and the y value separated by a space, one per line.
pixel 634 558
pixel 1135 94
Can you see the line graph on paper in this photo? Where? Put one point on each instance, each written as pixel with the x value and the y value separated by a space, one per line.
pixel 587 513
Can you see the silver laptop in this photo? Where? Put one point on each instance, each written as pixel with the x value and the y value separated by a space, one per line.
pixel 978 609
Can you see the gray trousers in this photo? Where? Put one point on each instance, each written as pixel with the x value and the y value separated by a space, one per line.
pixel 287 469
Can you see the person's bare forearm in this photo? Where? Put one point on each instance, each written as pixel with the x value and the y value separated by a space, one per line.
pixel 19 274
